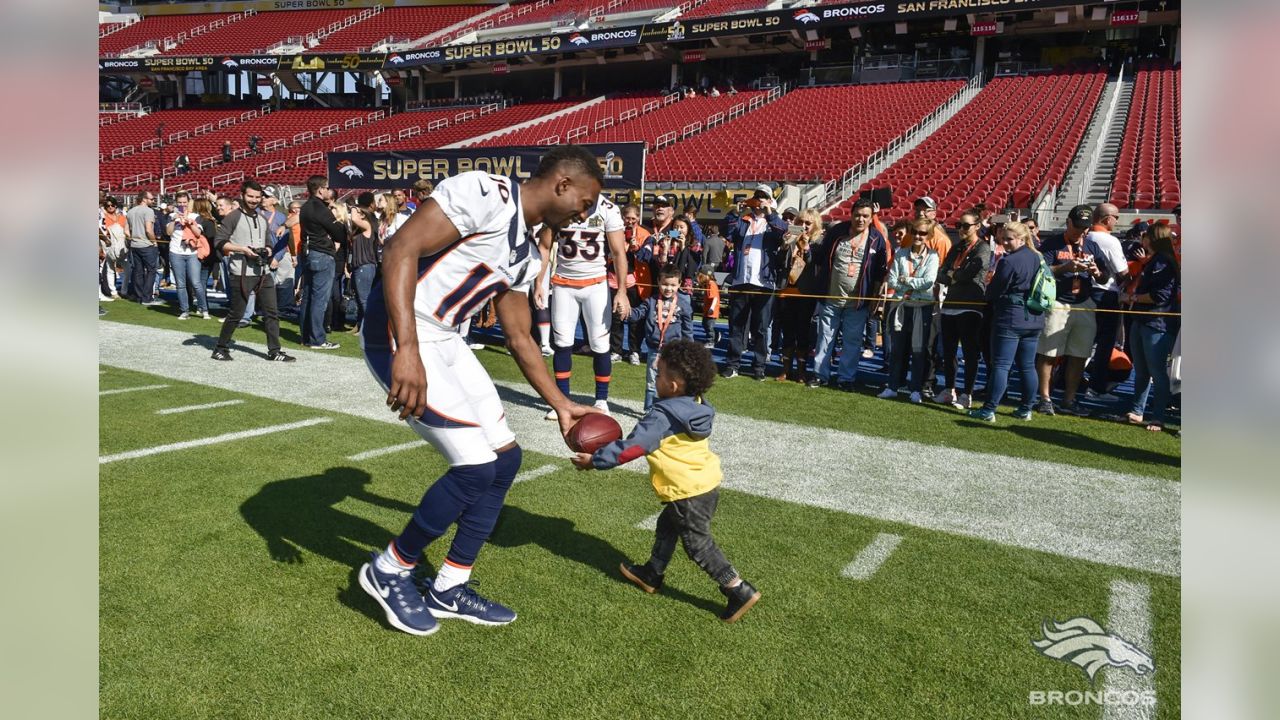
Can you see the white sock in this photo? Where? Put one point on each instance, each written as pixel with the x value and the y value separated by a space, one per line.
pixel 451 576
pixel 388 562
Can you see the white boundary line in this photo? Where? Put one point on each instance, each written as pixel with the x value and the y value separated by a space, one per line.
pixel 139 388
pixel 206 406
pixel 872 557
pixel 379 452
pixel 1130 618
pixel 228 437
pixel 534 473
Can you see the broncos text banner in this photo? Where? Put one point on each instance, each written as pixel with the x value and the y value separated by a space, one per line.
pixel 623 165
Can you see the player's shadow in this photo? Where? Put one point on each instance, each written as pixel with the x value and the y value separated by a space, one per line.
pixel 298 515
pixel 517 526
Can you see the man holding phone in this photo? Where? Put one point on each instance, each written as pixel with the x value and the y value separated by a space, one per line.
pixel 756 231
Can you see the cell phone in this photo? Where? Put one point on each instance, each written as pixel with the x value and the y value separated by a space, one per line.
pixel 1000 219
pixel 795 229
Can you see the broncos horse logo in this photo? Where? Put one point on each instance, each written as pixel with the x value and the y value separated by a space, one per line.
pixel 346 167
pixel 1083 642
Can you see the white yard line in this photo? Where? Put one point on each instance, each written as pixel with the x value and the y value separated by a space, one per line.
pixel 872 557
pixel 206 406
pixel 379 452
pixel 1130 521
pixel 535 473
pixel 649 523
pixel 1130 618
pixel 227 437
pixel 138 388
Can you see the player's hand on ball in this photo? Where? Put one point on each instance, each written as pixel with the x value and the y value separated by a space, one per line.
pixel 582 461
pixel 571 415
pixel 408 393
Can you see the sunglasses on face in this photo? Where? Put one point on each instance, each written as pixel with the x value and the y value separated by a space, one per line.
pixel 964 225
pixel 922 233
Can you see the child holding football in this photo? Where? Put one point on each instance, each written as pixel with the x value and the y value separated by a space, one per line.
pixel 673 437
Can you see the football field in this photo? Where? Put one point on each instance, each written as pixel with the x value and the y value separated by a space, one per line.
pixel 907 555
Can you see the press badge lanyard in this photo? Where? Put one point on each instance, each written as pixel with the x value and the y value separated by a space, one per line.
pixel 664 320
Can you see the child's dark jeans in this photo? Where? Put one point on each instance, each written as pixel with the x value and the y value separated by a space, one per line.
pixel 689 521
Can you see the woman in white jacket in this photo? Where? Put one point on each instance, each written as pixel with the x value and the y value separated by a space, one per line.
pixel 911 280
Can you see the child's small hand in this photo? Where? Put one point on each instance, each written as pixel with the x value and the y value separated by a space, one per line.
pixel 582 461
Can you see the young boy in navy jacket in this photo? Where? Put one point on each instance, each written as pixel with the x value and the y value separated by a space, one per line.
pixel 673 437
pixel 667 316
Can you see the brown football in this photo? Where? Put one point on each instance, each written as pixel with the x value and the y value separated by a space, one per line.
pixel 593 432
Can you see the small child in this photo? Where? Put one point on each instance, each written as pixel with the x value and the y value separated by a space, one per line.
pixel 710 304
pixel 668 316
pixel 673 437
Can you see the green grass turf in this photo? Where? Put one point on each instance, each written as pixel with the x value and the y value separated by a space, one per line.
pixel 1082 442
pixel 227 589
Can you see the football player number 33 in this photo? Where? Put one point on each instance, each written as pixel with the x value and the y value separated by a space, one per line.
pixel 587 244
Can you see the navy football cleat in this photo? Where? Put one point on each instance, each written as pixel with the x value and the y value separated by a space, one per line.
pixel 398 596
pixel 464 603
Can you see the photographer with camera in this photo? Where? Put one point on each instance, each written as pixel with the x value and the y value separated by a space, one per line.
pixel 187 247
pixel 243 239
pixel 756 232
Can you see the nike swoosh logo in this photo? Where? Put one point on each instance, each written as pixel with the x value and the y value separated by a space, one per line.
pixel 385 592
pixel 450 607
pixel 482 192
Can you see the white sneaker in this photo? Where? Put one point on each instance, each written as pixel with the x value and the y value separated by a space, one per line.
pixel 602 406
pixel 551 415
pixel 634 358
pixel 476 346
pixel 947 397
pixel 962 402
pixel 546 351
pixel 868 353
pixel 206 315
pixel 916 398
pixel 184 316
pixel 888 394
pixel 104 298
pixel 615 357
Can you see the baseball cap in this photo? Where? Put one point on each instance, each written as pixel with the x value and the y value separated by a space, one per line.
pixel 764 188
pixel 1080 217
pixel 790 212
pixel 926 201
pixel 661 201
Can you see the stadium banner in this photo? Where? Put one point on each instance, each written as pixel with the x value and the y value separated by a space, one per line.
pixel 516 47
pixel 350 62
pixel 706 203
pixel 623 165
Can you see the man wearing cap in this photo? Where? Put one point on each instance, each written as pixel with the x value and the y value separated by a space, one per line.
pixel 1107 297
pixel 663 215
pixel 756 231
pixel 1070 326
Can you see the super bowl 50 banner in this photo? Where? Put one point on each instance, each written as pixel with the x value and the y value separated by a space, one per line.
pixel 622 163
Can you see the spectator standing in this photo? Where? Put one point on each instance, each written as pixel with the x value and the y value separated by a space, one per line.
pixel 186 241
pixel 756 235
pixel 243 239
pixel 1070 327
pixel 713 247
pixel 364 260
pixel 209 264
pixel 710 304
pixel 322 236
pixel 1015 329
pixel 226 152
pixel 1159 289
pixel 143 251
pixel 335 317
pixel 795 307
pixel 1106 295
pixel 964 274
pixel 636 238
pixel 849 266
pixel 912 278
pixel 667 316
pixel 422 190
pixel 114 233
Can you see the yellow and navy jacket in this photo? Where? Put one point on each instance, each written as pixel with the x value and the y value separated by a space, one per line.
pixel 673 438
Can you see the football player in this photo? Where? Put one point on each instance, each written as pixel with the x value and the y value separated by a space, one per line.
pixel 579 290
pixel 468 242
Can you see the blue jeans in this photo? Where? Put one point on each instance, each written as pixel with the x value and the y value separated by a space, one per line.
pixel 319 273
pixel 1151 350
pixel 363 279
pixel 142 276
pixel 1010 347
pixel 186 272
pixel 851 324
pixel 651 380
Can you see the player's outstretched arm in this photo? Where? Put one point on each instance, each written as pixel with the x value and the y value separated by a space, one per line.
pixel 545 239
pixel 513 313
pixel 428 231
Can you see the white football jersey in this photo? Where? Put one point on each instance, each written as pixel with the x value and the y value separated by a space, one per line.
pixel 496 252
pixel 583 247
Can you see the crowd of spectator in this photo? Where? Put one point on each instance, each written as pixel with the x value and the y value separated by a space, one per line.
pixel 938 305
